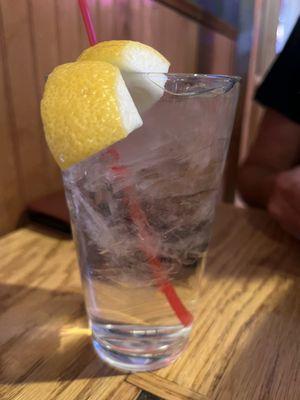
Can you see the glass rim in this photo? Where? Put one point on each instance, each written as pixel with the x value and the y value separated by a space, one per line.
pixel 232 78
pixel 202 84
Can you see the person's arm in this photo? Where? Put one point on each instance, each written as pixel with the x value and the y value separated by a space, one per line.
pixel 276 149
pixel 270 177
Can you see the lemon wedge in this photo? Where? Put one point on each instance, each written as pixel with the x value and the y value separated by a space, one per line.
pixel 138 64
pixel 86 107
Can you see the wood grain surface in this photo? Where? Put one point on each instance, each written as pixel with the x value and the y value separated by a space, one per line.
pixel 37 35
pixel 245 344
pixel 163 388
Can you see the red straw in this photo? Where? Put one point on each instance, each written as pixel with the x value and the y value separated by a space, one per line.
pixel 137 214
pixel 87 22
pixel 147 247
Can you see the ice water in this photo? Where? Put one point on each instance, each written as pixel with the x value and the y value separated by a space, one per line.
pixel 171 167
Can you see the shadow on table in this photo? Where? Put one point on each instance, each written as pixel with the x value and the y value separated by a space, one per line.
pixel 44 337
pixel 51 230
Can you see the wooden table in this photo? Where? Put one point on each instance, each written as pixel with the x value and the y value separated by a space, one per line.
pixel 245 345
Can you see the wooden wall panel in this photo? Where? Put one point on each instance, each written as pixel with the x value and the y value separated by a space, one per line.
pixel 70 36
pixel 216 53
pixel 36 35
pixel 22 76
pixel 222 55
pixel 43 30
pixel 11 193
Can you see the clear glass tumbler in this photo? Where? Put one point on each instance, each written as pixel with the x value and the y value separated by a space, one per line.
pixel 141 215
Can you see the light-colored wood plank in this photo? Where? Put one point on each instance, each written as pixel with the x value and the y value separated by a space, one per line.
pixel 95 386
pixel 47 343
pixel 163 388
pixel 126 391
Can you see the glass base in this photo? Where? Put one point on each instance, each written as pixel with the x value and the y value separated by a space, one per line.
pixel 133 348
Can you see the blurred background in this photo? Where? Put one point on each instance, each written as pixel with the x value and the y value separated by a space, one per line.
pixel 239 37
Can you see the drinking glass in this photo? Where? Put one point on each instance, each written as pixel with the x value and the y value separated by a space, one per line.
pixel 142 212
